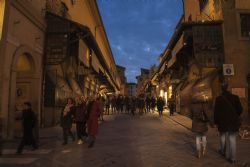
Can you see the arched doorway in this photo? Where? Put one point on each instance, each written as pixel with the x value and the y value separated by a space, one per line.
pixel 24 87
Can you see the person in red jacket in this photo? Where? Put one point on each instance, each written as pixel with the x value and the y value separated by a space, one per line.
pixel 80 119
pixel 94 111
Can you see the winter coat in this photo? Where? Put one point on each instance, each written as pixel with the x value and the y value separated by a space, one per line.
pixel 29 119
pixel 67 120
pixel 227 112
pixel 199 117
pixel 81 111
pixel 160 104
pixel 92 121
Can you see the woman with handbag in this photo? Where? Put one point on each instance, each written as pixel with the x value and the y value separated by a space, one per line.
pixel 199 126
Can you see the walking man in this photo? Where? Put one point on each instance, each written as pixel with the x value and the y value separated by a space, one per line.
pixel 227 112
pixel 29 121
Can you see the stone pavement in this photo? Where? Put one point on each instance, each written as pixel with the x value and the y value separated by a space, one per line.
pixel 127 141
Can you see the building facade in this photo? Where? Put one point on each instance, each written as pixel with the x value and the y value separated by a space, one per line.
pixel 209 46
pixel 51 50
pixel 130 89
pixel 121 72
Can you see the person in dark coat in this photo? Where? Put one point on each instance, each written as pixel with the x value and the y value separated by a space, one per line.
pixel 199 125
pixel 29 121
pixel 171 105
pixel 147 101
pixel 160 104
pixel 80 118
pixel 227 111
pixel 67 115
pixel 152 104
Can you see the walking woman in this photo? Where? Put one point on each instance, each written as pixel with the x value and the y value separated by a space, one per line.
pixel 199 125
pixel 67 120
pixel 80 118
pixel 94 111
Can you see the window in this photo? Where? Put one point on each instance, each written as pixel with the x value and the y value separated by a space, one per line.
pixel 245 25
pixel 202 4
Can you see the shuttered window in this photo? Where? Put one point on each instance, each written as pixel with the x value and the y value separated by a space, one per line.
pixel 245 25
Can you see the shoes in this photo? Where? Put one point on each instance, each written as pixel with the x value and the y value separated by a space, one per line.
pixel 222 153
pixel 80 142
pixel 91 144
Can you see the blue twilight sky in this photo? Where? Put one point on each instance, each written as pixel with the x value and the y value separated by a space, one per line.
pixel 139 30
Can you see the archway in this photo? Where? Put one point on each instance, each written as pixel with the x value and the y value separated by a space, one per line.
pixel 24 86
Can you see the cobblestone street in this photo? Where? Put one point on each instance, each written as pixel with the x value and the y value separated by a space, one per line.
pixel 126 141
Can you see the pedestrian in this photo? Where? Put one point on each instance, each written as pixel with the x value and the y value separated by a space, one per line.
pixel 227 111
pixel 29 121
pixel 199 125
pixel 160 104
pixel 133 105
pixel 147 101
pixel 152 104
pixel 113 104
pixel 127 104
pixel 101 105
pixel 67 116
pixel 171 105
pixel 80 118
pixel 93 110
pixel 107 105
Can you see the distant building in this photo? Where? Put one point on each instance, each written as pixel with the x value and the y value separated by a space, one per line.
pixel 130 89
pixel 141 81
pixel 121 72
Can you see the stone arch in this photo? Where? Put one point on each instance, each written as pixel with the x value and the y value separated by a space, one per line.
pixel 24 82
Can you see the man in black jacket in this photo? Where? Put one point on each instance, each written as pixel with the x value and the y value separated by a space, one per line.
pixel 227 112
pixel 29 121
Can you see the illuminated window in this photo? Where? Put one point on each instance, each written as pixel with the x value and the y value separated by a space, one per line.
pixel 245 25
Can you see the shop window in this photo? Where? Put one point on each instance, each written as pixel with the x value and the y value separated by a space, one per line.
pixel 202 4
pixel 245 25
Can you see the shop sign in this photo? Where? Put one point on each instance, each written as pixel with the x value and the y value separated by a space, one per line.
pixel 228 69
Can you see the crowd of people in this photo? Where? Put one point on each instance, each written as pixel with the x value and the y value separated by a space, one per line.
pixel 130 105
pixel 86 112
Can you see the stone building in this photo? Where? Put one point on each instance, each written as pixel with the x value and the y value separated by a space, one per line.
pixel 121 72
pixel 130 89
pixel 51 50
pixel 210 45
pixel 141 81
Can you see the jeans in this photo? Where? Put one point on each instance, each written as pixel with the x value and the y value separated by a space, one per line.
pixel 201 140
pixel 228 144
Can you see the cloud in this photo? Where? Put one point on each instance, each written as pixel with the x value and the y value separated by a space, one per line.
pixel 139 30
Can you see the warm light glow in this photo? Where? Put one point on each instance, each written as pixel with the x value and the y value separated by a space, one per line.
pixel 23 63
pixel 161 93
pixel 170 91
pixel 2 7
